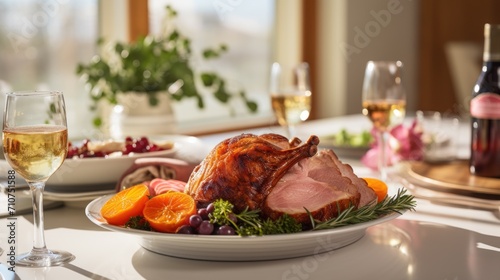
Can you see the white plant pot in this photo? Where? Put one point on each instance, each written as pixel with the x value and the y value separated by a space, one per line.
pixel 134 116
pixel 137 104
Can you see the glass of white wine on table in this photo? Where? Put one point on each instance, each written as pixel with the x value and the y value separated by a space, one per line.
pixel 290 95
pixel 35 144
pixel 384 103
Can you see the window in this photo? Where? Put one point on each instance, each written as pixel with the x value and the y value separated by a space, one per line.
pixel 246 27
pixel 41 42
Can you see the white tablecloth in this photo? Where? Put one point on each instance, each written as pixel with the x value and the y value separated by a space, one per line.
pixel 434 242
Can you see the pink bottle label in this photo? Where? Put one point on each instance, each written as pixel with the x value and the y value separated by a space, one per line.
pixel 485 106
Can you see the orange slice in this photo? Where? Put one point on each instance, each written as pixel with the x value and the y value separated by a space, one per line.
pixel 378 186
pixel 168 211
pixel 125 204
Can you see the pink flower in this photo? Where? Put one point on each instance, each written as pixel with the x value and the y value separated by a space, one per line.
pixel 404 143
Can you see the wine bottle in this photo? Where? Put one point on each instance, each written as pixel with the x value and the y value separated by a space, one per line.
pixel 485 109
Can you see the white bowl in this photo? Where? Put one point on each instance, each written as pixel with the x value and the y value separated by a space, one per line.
pixel 98 174
pixel 98 171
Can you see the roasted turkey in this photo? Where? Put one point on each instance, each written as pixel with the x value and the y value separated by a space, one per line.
pixel 278 176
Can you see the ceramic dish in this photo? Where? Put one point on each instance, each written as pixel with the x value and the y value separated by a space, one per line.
pixel 328 142
pixel 76 196
pixel 236 248
pixel 93 174
pixel 98 171
pixel 98 174
pixel 75 199
pixel 453 177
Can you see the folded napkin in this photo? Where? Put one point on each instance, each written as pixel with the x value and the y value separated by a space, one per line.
pixel 147 169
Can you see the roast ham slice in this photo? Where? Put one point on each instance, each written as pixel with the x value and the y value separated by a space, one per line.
pixel 293 197
pixel 325 167
pixel 322 184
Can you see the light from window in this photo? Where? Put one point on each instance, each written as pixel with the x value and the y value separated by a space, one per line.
pixel 246 27
pixel 41 42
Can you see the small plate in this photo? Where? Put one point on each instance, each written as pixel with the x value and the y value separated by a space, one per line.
pixel 452 177
pixel 76 196
pixel 237 248
pixel 328 142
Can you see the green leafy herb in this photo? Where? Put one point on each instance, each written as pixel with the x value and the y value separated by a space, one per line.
pixel 249 222
pixel 138 222
pixel 398 203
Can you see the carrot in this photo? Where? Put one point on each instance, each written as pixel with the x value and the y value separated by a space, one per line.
pixel 125 204
pixel 378 186
pixel 168 211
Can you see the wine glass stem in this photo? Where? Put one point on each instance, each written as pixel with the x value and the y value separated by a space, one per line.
pixel 382 157
pixel 38 224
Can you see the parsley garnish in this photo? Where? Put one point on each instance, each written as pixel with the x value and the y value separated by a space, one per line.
pixel 249 222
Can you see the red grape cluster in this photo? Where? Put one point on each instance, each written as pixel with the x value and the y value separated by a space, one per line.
pixel 200 224
pixel 131 145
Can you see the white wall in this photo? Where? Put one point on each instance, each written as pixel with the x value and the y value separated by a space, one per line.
pixel 351 33
pixel 113 20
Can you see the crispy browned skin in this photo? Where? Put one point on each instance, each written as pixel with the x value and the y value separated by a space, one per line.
pixel 243 169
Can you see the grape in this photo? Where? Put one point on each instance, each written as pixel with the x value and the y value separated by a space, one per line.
pixel 186 229
pixel 195 220
pixel 72 151
pixel 206 228
pixel 203 213
pixel 225 230
pixel 143 142
pixel 210 208
pixel 134 147
pixel 233 217
pixel 153 148
pixel 98 154
pixel 128 149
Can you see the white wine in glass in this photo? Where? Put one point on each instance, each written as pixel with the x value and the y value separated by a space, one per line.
pixel 290 95
pixel 384 102
pixel 35 144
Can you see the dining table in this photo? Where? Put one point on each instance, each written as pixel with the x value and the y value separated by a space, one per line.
pixel 438 239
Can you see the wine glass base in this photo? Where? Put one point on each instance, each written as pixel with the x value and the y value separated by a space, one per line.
pixel 44 258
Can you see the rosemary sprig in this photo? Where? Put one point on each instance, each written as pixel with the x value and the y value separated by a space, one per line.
pixel 398 203
pixel 249 222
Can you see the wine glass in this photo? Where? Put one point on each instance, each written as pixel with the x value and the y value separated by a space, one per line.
pixel 384 102
pixel 290 95
pixel 35 144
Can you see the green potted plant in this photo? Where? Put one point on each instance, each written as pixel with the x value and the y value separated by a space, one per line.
pixel 154 67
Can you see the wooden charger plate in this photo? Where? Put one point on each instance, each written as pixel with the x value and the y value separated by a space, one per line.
pixel 451 177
